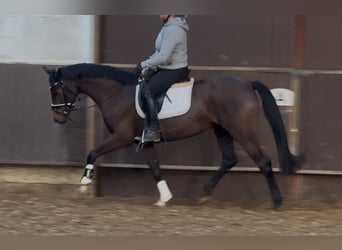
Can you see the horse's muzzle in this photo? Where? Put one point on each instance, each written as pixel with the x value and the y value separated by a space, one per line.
pixel 60 121
pixel 61 116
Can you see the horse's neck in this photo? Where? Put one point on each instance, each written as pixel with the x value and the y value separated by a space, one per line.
pixel 99 90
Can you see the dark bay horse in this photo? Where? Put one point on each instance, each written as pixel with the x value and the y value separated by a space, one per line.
pixel 228 105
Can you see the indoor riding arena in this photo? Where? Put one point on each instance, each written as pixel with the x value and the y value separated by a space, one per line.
pixel 42 162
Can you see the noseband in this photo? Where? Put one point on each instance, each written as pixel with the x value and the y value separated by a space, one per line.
pixel 70 106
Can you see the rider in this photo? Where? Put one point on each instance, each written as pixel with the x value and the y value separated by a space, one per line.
pixel 170 63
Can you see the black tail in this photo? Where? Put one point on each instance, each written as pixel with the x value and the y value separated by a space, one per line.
pixel 287 160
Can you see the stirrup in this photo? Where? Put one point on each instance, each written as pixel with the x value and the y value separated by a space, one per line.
pixel 155 136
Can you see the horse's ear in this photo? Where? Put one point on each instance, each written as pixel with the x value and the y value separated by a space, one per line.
pixel 47 70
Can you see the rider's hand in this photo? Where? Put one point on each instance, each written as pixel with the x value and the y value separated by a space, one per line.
pixel 138 69
pixel 144 71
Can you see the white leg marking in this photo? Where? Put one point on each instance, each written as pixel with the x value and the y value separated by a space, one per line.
pixel 85 179
pixel 165 193
pixel 89 166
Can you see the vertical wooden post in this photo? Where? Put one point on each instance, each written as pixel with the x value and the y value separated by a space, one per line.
pixel 90 113
pixel 296 184
pixel 295 83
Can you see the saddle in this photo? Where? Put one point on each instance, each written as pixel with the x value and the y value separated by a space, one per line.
pixel 172 102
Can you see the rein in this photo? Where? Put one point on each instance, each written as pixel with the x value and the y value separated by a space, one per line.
pixel 93 105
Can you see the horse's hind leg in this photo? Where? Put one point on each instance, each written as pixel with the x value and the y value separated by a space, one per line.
pixel 151 159
pixel 229 159
pixel 265 166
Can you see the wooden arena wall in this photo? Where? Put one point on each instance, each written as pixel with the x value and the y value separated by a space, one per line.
pixel 29 136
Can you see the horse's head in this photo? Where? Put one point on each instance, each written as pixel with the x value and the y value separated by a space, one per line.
pixel 63 95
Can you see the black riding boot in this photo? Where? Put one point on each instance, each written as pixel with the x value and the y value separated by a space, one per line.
pixel 151 132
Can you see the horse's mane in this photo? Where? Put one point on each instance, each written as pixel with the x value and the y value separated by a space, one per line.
pixel 90 70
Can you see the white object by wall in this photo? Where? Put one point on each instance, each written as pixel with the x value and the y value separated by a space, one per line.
pixel 284 97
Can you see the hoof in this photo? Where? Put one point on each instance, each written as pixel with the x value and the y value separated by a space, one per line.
pixel 203 200
pixel 85 180
pixel 83 189
pixel 277 204
pixel 160 203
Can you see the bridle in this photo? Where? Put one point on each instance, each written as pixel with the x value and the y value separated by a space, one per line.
pixel 70 106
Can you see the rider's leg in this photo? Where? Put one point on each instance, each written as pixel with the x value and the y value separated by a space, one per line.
pixel 160 82
pixel 152 127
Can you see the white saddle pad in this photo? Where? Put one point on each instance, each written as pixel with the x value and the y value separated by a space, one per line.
pixel 180 96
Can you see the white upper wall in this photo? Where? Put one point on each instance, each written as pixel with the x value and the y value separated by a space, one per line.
pixel 52 39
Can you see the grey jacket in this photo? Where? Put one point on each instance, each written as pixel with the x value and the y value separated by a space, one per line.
pixel 171 46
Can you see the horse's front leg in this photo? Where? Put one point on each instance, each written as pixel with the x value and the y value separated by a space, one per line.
pixel 151 159
pixel 112 143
